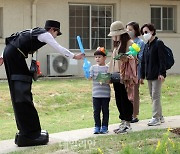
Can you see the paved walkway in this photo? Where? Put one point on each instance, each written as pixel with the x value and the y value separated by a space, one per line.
pixel 7 146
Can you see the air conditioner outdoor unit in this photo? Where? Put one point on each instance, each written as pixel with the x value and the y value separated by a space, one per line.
pixel 59 65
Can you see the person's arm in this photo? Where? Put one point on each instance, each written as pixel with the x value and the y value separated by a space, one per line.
pixel 162 59
pixel 91 73
pixel 140 54
pixel 49 39
pixel 142 69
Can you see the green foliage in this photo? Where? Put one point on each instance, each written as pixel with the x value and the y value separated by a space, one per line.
pixel 167 145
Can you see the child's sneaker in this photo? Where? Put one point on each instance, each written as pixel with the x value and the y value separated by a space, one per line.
pixel 125 128
pixel 104 130
pixel 154 122
pixel 96 130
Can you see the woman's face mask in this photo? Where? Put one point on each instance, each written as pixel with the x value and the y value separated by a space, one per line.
pixel 147 36
pixel 131 31
pixel 131 34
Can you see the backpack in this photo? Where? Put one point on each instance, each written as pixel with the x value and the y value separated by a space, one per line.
pixel 169 57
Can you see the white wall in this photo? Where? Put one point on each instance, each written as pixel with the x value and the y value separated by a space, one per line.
pixel 17 15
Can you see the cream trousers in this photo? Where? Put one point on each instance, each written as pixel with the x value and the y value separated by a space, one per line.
pixel 155 93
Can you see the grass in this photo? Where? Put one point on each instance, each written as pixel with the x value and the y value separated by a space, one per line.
pixel 65 104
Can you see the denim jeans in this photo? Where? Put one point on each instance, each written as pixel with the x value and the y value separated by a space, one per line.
pixel 101 104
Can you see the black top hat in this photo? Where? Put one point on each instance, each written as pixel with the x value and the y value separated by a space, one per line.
pixel 53 24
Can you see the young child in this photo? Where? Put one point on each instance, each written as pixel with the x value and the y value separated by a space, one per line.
pixel 100 92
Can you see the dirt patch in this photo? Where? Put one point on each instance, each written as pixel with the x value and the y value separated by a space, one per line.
pixel 176 131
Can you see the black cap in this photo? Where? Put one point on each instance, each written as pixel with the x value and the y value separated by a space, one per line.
pixel 53 24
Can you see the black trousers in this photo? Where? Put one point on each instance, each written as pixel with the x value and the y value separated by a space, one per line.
pixel 124 105
pixel 101 104
pixel 20 81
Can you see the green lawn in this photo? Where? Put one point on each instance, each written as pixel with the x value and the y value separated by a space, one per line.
pixel 65 104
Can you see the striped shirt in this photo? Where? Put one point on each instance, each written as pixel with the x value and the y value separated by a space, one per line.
pixel 99 90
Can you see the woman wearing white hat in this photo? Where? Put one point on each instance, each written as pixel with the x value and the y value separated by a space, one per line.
pixel 121 41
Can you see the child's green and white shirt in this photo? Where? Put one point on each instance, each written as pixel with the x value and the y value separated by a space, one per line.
pixel 99 90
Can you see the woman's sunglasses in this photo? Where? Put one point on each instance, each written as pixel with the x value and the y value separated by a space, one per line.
pixel 145 32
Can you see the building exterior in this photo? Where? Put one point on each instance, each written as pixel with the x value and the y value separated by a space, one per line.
pixel 91 20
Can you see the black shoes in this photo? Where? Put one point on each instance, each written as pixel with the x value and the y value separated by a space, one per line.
pixel 23 141
pixel 134 120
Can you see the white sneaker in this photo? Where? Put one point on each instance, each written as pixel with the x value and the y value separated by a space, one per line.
pixel 125 128
pixel 154 122
pixel 162 119
pixel 120 126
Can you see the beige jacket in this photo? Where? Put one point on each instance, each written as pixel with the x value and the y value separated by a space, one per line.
pixel 114 65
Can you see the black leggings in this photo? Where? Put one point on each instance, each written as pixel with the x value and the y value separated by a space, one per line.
pixel 124 105
pixel 101 104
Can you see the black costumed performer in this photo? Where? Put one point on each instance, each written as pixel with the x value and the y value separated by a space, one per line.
pixel 20 79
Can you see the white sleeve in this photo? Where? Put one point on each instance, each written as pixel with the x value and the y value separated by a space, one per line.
pixel 49 39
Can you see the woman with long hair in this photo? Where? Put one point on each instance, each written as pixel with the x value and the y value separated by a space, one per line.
pixel 121 42
pixel 134 32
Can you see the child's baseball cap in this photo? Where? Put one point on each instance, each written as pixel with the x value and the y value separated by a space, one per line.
pixel 100 51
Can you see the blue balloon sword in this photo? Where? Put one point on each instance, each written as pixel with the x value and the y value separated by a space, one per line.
pixel 87 64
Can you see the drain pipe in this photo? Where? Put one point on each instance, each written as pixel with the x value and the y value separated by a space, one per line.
pixel 33 19
pixel 33 24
